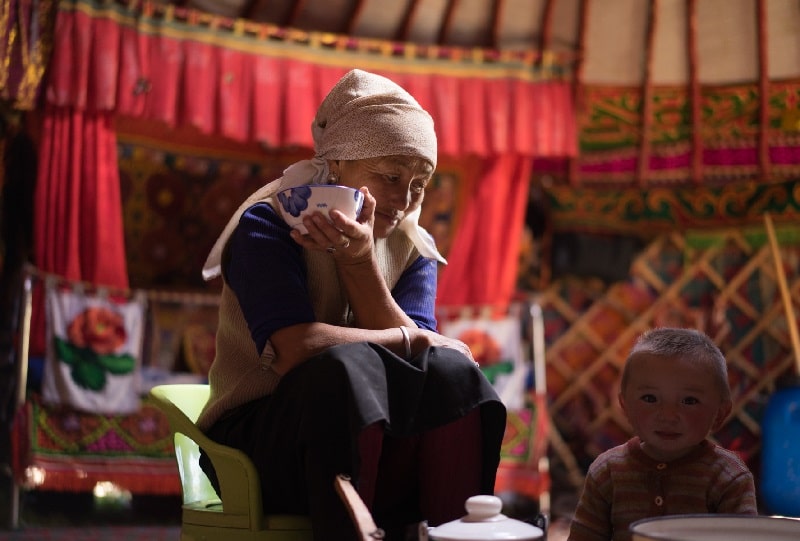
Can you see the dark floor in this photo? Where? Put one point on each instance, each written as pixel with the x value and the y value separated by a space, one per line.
pixel 69 509
pixel 65 512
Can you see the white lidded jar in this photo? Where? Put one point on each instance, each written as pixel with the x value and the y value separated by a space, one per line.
pixel 484 522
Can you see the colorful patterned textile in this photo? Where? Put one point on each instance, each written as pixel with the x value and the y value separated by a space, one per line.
pixel 651 211
pixel 609 128
pixel 524 444
pixel 94 350
pixel 610 138
pixel 496 345
pixel 25 45
pixel 66 450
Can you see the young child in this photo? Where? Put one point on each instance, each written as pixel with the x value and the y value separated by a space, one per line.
pixel 674 392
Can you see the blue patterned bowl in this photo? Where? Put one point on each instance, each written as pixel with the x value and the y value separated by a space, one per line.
pixel 295 203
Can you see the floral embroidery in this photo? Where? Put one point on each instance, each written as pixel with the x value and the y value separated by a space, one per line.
pixel 486 351
pixel 297 200
pixel 93 337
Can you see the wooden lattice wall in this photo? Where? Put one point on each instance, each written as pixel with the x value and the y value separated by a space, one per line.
pixel 724 283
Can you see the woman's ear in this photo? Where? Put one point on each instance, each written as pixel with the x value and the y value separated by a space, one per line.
pixel 333 168
pixel 722 414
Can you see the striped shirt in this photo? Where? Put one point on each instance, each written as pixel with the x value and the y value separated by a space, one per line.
pixel 624 485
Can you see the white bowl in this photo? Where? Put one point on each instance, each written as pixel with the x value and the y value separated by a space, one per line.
pixel 295 203
pixel 716 528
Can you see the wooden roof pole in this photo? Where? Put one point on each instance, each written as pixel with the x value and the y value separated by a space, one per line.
pixel 408 19
pixel 643 168
pixel 297 8
pixel 695 95
pixel 497 17
pixel 546 28
pixel 251 7
pixel 763 91
pixel 577 88
pixel 786 296
pixel 447 21
pixel 355 15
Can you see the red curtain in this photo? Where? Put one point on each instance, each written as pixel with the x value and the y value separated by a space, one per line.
pixel 147 64
pixel 246 88
pixel 482 262
pixel 77 221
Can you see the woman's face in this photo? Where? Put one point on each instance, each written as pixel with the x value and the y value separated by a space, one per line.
pixel 397 183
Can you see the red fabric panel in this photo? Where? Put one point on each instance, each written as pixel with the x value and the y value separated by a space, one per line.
pixel 542 122
pixel 56 209
pixel 552 134
pixel 498 115
pixel 445 111
pixel 60 72
pixel 235 94
pixel 418 86
pixel 474 114
pixel 77 221
pixel 70 63
pixel 130 92
pixel 474 130
pixel 267 113
pixel 327 77
pixel 521 112
pixel 482 262
pixel 300 103
pixel 565 135
pixel 198 86
pixel 105 56
pixel 166 59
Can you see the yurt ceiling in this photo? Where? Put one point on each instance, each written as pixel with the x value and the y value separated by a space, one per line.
pixel 609 36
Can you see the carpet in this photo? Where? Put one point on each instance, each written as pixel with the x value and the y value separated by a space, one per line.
pixel 94 533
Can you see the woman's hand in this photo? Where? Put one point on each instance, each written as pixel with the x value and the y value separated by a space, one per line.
pixel 349 241
pixel 423 338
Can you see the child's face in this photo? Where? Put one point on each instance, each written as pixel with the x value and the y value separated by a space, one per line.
pixel 672 405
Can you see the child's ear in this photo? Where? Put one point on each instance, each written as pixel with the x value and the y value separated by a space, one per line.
pixel 621 400
pixel 722 414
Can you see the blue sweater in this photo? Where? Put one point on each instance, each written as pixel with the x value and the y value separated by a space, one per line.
pixel 269 276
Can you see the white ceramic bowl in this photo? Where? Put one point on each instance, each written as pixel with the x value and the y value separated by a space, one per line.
pixel 716 528
pixel 295 203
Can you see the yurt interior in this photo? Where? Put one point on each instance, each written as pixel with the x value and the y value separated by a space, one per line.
pixel 605 167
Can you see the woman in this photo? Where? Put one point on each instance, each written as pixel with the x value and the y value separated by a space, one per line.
pixel 328 360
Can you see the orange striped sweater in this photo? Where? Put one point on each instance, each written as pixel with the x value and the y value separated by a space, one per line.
pixel 624 485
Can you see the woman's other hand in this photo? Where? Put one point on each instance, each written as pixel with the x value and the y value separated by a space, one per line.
pixel 422 339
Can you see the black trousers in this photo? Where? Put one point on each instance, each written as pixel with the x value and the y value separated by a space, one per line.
pixel 307 431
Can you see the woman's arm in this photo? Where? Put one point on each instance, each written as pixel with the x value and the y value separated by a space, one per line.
pixel 415 293
pixel 266 270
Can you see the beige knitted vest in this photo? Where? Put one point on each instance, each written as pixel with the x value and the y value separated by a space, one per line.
pixel 239 374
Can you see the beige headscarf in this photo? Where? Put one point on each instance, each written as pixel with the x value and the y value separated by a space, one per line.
pixel 363 116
